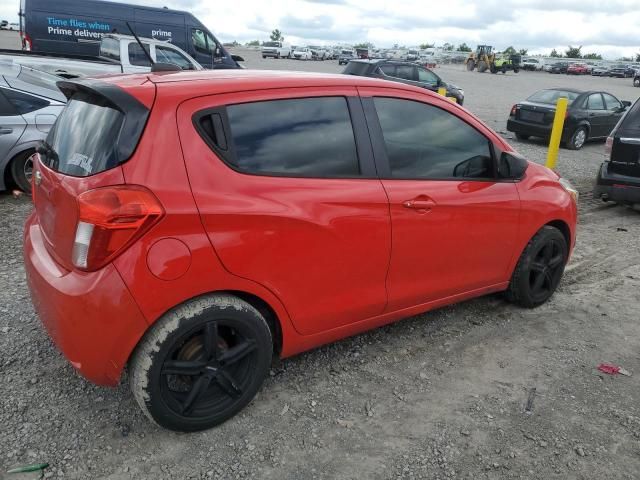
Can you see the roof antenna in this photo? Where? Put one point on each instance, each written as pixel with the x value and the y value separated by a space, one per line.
pixel 155 66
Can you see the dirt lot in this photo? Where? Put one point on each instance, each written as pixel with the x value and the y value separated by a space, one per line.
pixel 440 395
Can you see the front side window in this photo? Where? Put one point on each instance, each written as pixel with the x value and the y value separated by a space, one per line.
pixel 594 102
pixel 202 41
pixel 611 102
pixel 426 76
pixel 169 55
pixel 137 56
pixel 310 137
pixel 424 141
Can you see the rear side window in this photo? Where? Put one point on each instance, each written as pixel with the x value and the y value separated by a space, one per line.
pixel 24 103
pixel 110 48
pixel 169 55
pixel 137 56
pixel 424 141
pixel 310 137
pixel 84 139
pixel 357 68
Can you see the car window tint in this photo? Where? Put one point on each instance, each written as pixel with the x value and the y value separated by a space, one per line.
pixel 302 137
pixel 198 40
pixel 594 102
pixel 6 109
pixel 137 56
pixel 406 72
pixel 24 103
pixel 424 141
pixel 169 55
pixel 611 102
pixel 389 70
pixel 426 76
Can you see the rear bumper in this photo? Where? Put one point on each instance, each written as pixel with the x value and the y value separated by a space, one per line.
pixel 526 128
pixel 616 188
pixel 91 317
pixel 536 129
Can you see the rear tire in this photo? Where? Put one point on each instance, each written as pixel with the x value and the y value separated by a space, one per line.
pixel 201 363
pixel 22 169
pixel 522 136
pixel 578 139
pixel 539 269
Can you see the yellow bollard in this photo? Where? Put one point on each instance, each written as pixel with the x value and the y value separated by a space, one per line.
pixel 556 132
pixel 442 91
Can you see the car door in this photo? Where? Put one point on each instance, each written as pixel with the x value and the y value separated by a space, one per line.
pixel 614 109
pixel 287 191
pixel 598 116
pixel 12 125
pixel 454 225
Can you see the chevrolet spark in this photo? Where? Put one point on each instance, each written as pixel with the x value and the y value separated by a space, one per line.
pixel 191 226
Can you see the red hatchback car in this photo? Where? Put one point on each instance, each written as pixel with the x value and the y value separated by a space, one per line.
pixel 193 225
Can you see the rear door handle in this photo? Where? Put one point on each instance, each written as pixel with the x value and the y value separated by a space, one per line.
pixel 6 131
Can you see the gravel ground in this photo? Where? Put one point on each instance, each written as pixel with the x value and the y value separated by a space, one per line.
pixel 439 395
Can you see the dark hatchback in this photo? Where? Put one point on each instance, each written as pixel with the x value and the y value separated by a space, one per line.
pixel 559 67
pixel 590 115
pixel 622 71
pixel 403 72
pixel 619 177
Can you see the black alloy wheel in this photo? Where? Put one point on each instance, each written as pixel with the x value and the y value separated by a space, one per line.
pixel 193 371
pixel 539 269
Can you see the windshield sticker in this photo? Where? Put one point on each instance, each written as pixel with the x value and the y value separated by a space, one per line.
pixel 82 161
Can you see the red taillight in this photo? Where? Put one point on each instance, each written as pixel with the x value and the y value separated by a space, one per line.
pixel 513 110
pixel 110 219
pixel 26 42
pixel 608 146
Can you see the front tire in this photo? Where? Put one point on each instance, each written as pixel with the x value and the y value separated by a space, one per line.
pixel 636 82
pixel 201 363
pixel 578 139
pixel 482 66
pixel 539 269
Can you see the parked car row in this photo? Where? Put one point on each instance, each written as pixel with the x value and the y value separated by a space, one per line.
pixel 583 68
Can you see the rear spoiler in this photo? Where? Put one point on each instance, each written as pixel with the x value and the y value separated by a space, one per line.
pixel 135 113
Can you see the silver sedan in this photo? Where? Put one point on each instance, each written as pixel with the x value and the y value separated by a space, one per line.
pixel 30 102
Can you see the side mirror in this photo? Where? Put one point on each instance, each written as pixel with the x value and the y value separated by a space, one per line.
pixel 626 103
pixel 237 58
pixel 511 166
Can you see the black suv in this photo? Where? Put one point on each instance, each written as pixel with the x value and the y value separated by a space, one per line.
pixel 403 72
pixel 619 177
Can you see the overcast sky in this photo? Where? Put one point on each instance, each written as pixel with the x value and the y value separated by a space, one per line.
pixel 608 27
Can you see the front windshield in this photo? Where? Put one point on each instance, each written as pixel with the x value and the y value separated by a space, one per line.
pixel 552 96
pixel 271 44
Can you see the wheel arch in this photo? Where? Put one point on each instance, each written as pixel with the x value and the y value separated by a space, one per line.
pixel 265 309
pixel 564 229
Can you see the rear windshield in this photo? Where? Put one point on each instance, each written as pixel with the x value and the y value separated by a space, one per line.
pixel 356 68
pixel 552 96
pixel 84 139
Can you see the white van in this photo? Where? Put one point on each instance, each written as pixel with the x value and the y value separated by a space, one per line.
pixel 276 50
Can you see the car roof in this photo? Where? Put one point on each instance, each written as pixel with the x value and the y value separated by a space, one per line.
pixel 238 80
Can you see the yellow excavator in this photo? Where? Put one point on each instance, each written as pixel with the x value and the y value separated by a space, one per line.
pixel 483 58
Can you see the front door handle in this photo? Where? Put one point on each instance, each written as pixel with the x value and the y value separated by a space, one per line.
pixel 6 131
pixel 420 204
